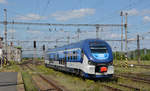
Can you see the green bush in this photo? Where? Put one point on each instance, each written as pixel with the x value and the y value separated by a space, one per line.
pixel 132 55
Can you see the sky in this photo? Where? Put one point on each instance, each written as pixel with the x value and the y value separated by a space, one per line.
pixel 77 12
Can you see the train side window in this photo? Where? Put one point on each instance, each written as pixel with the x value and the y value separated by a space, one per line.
pixel 74 55
pixel 57 57
pixel 82 53
pixel 49 57
pixel 54 57
pixel 65 55
pixel 71 57
pixel 74 52
pixel 65 58
pixel 68 56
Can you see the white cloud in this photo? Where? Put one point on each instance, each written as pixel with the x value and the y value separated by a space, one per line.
pixel 146 19
pixel 33 32
pixel 73 14
pixel 135 12
pixel 114 35
pixel 31 17
pixel 145 12
pixel 132 12
pixel 11 31
pixel 3 1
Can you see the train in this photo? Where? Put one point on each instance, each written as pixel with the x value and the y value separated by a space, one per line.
pixel 89 58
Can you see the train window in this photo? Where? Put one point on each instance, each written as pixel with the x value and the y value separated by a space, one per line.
pixel 65 55
pixel 82 53
pixel 54 57
pixel 74 52
pixel 68 57
pixel 74 57
pixel 71 57
pixel 99 49
pixel 57 56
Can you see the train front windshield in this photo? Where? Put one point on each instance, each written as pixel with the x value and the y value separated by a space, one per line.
pixel 99 51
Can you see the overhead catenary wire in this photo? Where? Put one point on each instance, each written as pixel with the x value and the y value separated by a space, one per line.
pixel 52 24
pixel 111 15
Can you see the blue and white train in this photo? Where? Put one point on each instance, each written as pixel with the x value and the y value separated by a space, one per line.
pixel 90 58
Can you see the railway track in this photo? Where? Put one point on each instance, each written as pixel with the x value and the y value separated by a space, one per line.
pixel 133 78
pixel 55 86
pixel 113 87
pixel 110 87
pixel 143 66
pixel 120 85
pixel 130 87
pixel 135 65
pixel 50 84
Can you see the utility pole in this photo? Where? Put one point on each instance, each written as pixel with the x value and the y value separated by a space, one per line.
pixel 56 42
pixel 97 32
pixel 18 42
pixel 68 39
pixel 5 33
pixel 12 33
pixel 126 42
pixel 78 31
pixel 138 48
pixel 11 43
pixel 121 14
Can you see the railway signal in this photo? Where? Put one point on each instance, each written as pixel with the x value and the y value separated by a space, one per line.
pixel 34 44
pixel 43 47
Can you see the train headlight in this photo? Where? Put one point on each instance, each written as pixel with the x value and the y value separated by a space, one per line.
pixel 91 62
pixel 111 63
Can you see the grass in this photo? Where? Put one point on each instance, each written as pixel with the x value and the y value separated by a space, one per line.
pixel 118 62
pixel 13 67
pixel 27 79
pixel 75 83
pixel 122 67
pixel 142 86
pixel 72 82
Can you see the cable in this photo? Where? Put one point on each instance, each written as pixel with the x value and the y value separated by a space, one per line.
pixel 46 7
pixel 110 15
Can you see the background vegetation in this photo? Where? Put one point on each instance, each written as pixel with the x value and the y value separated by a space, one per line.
pixel 133 55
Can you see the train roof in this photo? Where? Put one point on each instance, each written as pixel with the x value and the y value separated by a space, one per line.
pixel 79 44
